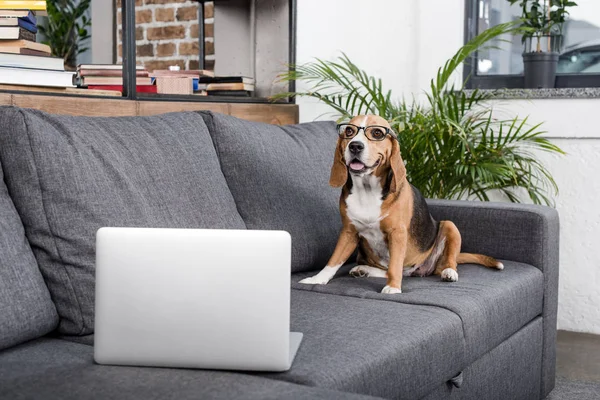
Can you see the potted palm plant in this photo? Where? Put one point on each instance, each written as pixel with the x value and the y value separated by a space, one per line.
pixel 455 145
pixel 542 28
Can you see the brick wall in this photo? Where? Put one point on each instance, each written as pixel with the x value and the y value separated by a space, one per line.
pixel 167 33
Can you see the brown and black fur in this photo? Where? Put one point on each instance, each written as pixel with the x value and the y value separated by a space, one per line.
pixel 416 243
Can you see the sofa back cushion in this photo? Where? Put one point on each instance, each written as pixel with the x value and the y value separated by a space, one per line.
pixel 279 178
pixel 69 176
pixel 26 309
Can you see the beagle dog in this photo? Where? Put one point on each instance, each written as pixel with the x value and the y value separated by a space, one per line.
pixel 385 216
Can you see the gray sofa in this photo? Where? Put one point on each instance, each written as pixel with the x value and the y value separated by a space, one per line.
pixel 491 335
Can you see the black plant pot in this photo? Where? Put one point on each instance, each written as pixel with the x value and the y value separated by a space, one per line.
pixel 540 70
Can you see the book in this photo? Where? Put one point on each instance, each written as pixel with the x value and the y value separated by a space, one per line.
pixel 23 23
pixel 35 77
pixel 194 73
pixel 16 32
pixel 139 89
pixel 17 50
pixel 32 61
pixel 105 66
pixel 230 86
pixel 61 90
pixel 236 93
pixel 227 79
pixel 109 72
pixel 23 5
pixel 24 44
pixel 112 80
pixel 17 14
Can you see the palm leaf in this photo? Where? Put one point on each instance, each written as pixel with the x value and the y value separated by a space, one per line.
pixel 453 145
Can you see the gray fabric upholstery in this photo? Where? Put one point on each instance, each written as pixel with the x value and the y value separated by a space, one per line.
pixel 491 304
pixel 279 178
pixel 26 310
pixel 55 369
pixel 69 176
pixel 518 232
pixel 373 347
pixel 509 371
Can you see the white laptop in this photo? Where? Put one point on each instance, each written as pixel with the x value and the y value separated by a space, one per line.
pixel 194 298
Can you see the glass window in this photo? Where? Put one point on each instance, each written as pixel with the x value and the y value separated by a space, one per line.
pixel 580 52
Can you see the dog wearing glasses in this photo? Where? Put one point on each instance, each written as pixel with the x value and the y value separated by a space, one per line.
pixel 385 216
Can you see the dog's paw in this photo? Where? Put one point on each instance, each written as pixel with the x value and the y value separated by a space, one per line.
pixel 362 271
pixel 322 277
pixel 314 280
pixel 390 290
pixel 449 275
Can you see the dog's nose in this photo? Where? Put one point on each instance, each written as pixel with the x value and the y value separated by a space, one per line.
pixel 356 147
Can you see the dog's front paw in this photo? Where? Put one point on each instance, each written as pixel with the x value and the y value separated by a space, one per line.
pixel 359 271
pixel 314 280
pixel 322 277
pixel 449 275
pixel 390 290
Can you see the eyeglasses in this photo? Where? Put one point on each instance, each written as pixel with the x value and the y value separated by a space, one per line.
pixel 372 132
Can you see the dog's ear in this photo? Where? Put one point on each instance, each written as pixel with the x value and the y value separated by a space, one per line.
pixel 339 171
pixel 397 165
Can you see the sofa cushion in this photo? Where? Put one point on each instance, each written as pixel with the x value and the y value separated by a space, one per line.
pixel 376 348
pixel 27 311
pixel 69 176
pixel 279 178
pixel 510 370
pixel 56 369
pixel 373 347
pixel 491 304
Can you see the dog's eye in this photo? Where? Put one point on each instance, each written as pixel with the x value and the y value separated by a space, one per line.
pixel 377 133
pixel 349 132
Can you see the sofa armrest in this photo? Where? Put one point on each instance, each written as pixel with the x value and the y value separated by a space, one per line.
pixel 516 232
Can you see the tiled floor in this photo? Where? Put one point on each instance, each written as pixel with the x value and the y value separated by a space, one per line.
pixel 578 356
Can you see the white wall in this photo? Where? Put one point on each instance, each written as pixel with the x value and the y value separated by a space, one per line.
pixel 404 42
pixel 572 123
pixel 375 33
pixel 391 39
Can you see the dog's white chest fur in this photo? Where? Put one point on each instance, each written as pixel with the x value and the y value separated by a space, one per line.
pixel 364 211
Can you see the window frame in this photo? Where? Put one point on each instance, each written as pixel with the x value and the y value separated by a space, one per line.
pixel 474 81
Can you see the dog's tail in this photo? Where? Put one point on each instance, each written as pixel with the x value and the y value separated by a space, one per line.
pixel 486 261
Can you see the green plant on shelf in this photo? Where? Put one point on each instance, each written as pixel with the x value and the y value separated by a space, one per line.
pixel 453 144
pixel 66 28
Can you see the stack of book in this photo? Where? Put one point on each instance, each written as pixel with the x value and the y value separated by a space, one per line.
pixel 227 85
pixel 23 61
pixel 110 77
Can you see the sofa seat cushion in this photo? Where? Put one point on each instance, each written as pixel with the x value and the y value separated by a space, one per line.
pixel 279 178
pixel 56 369
pixel 373 347
pixel 69 176
pixel 510 370
pixel 26 309
pixel 491 304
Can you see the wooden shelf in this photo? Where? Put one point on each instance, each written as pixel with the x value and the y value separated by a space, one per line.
pixel 278 114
